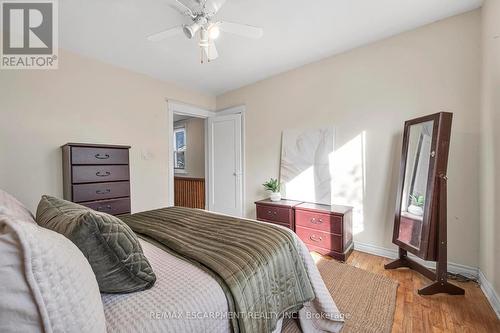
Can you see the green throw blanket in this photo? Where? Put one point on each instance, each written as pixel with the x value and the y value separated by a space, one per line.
pixel 257 265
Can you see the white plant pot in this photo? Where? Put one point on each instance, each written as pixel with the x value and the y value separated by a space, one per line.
pixel 415 210
pixel 275 196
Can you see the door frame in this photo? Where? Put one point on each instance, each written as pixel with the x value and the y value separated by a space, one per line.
pixel 186 110
pixel 177 107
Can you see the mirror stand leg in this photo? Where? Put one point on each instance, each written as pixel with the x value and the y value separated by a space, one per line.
pixel 401 262
pixel 441 287
pixel 398 263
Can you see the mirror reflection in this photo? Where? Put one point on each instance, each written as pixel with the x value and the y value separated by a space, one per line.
pixel 415 183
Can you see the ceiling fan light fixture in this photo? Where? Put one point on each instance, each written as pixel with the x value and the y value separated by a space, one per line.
pixel 203 37
pixel 191 29
pixel 206 31
pixel 214 31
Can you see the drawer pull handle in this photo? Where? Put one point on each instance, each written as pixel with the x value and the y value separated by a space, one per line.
pixel 315 239
pixel 270 212
pixel 103 192
pixel 103 208
pixel 100 174
pixel 102 157
pixel 318 221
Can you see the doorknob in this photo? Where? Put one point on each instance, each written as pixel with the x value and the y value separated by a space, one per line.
pixel 237 174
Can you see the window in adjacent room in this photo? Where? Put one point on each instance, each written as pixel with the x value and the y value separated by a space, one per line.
pixel 180 149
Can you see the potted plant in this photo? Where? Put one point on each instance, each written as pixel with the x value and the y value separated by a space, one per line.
pixel 273 186
pixel 417 204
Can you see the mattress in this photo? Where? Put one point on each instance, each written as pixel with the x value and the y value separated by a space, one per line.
pixel 187 299
pixel 183 299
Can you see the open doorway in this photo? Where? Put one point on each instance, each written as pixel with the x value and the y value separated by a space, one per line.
pixel 189 161
pixel 223 155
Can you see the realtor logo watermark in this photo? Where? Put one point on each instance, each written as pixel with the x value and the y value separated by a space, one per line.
pixel 29 34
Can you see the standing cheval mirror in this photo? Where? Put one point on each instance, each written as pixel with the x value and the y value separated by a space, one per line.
pixel 420 219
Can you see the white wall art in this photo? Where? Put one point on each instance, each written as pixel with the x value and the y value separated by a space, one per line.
pixel 307 165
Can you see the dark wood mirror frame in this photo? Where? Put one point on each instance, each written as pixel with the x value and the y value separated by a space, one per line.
pixel 433 242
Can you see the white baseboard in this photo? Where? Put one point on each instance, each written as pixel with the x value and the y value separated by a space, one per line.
pixel 470 272
pixel 490 293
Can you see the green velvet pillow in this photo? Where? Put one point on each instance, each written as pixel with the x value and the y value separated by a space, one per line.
pixel 111 247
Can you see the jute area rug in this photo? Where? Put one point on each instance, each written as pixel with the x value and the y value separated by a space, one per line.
pixel 368 300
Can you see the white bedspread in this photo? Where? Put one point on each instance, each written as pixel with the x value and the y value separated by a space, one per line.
pixel 186 299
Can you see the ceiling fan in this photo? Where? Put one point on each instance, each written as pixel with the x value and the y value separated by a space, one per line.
pixel 205 27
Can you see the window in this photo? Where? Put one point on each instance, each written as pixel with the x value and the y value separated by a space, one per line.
pixel 180 149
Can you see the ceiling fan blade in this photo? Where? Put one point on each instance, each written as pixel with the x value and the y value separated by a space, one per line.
pixel 187 10
pixel 242 29
pixel 211 51
pixel 213 6
pixel 178 9
pixel 165 34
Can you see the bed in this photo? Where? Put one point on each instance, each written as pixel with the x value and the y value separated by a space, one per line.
pixel 187 296
pixel 198 309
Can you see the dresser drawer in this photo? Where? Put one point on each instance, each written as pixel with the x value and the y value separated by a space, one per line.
pixel 92 155
pixel 274 214
pixel 113 207
pixel 99 173
pixel 321 239
pixel 99 191
pixel 319 221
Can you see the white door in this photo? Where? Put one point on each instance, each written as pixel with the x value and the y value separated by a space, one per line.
pixel 225 165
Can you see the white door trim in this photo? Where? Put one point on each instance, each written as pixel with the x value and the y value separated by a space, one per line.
pixel 188 110
pixel 241 109
pixel 232 110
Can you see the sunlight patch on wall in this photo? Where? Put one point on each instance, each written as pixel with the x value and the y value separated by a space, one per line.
pixel 348 182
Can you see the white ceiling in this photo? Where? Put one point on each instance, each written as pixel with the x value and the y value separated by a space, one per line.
pixel 296 32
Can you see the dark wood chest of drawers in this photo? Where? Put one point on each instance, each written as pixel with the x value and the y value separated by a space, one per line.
pixel 324 229
pixel 277 212
pixel 97 176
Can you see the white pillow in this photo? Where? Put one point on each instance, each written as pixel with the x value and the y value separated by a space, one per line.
pixel 14 207
pixel 47 284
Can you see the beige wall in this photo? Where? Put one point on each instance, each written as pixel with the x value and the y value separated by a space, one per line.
pixel 490 145
pixel 195 149
pixel 85 101
pixel 367 94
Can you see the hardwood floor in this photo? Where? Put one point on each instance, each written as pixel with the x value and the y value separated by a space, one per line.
pixel 439 313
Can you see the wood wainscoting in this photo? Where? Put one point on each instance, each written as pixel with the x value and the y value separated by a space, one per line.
pixel 189 192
